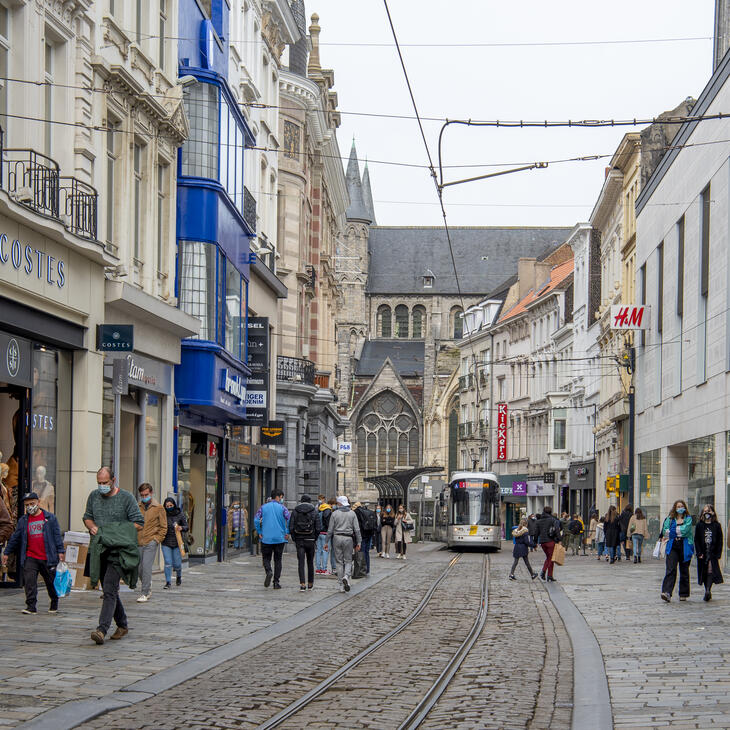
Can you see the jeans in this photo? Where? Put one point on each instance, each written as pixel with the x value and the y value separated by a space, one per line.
pixel 547 566
pixel 675 559
pixel 31 568
pixel 601 548
pixel 386 535
pixel 365 547
pixel 112 604
pixel 147 557
pixel 378 541
pixel 517 560
pixel 343 550
pixel 320 559
pixel 305 552
pixel 638 541
pixel 173 561
pixel 611 550
pixel 277 550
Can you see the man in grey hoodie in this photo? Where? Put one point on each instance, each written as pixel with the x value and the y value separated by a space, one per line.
pixel 343 535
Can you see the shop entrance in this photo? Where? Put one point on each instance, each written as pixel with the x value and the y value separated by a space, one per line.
pixel 14 468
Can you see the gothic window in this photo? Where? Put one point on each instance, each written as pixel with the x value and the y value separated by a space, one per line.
pixel 453 440
pixel 401 321
pixel 457 323
pixel 419 320
pixel 387 435
pixel 385 322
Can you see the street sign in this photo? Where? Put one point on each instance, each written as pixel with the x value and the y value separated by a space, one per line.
pixel 345 447
pixel 630 317
pixel 115 337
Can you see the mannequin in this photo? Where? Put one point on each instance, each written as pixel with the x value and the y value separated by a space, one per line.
pixel 44 489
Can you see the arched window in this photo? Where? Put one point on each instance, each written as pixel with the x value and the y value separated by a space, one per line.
pixel 401 321
pixel 385 321
pixel 387 431
pixel 419 321
pixel 457 323
pixel 453 440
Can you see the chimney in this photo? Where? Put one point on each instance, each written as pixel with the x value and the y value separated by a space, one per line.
pixel 721 39
pixel 542 273
pixel 525 276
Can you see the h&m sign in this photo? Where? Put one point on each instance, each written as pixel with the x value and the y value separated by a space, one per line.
pixel 630 317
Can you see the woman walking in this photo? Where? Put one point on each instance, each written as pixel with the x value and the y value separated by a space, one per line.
pixel 176 525
pixel 638 532
pixel 402 531
pixel 523 543
pixel 612 531
pixel 592 530
pixel 708 544
pixel 387 520
pixel 677 531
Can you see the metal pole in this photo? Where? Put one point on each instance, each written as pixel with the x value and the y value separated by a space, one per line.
pixel 491 401
pixel 117 430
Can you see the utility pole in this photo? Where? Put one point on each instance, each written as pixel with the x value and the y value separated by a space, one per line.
pixel 632 418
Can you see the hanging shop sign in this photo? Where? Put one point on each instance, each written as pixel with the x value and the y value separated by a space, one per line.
pixel 15 360
pixel 501 432
pixel 345 447
pixel 630 316
pixel 311 452
pixel 549 477
pixel 257 353
pixel 257 400
pixel 538 488
pixel 115 337
pixel 274 434
pixel 519 489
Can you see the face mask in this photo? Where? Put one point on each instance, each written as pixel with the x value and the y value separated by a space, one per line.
pixel 388 510
pixel 680 510
pixel 169 509
pixel 104 488
pixel 378 511
pixel 707 516
pixel 31 509
pixel 147 498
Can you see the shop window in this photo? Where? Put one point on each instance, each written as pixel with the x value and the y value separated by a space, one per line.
pixel 650 477
pixel 237 517
pixel 233 310
pixel 198 285
pixel 700 474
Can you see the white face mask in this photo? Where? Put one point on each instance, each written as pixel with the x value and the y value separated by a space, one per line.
pixel 31 509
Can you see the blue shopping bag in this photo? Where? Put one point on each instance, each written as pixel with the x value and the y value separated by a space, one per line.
pixel 63 580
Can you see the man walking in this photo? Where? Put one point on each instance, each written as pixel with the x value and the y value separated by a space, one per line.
pixel 271 522
pixel 368 522
pixel 37 540
pixel 150 537
pixel 342 535
pixel 304 526
pixel 110 510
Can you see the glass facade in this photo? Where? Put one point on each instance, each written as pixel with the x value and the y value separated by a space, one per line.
pixel 700 474
pixel 650 479
pixel 238 490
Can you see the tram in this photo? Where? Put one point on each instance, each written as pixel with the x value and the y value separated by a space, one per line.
pixel 468 511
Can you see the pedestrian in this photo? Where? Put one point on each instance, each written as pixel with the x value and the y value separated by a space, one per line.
pixel 368 521
pixel 38 544
pixel 387 518
pixel 272 523
pixel 333 567
pixel 377 536
pixel 612 531
pixel 114 515
pixel 677 531
pixel 305 525
pixel 600 538
pixel 548 533
pixel 150 538
pixel 404 524
pixel 624 519
pixel 343 535
pixel 708 544
pixel 592 525
pixel 177 526
pixel 320 558
pixel 532 529
pixel 522 544
pixel 575 533
pixel 638 532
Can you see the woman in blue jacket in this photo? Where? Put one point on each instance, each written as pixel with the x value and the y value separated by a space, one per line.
pixel 677 531
pixel 523 543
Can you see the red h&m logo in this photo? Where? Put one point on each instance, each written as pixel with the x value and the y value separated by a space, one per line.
pixel 629 317
pixel 501 432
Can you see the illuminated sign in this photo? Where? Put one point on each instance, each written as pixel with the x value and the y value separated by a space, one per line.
pixel 501 432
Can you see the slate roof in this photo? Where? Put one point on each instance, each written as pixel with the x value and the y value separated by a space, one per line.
pixel 399 257
pixel 406 356
pixel 558 274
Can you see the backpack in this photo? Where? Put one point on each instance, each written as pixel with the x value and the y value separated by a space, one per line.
pixel 303 523
pixel 553 530
pixel 369 520
pixel 574 527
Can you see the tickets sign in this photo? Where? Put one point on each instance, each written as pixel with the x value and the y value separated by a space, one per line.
pixel 501 432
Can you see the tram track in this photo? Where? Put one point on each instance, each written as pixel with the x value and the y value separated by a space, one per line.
pixel 435 690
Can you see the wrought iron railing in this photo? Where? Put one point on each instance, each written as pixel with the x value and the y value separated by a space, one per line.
pixel 32 179
pixel 466 382
pixel 295 370
pixel 79 205
pixel 249 209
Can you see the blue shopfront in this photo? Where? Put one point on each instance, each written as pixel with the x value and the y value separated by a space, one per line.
pixel 215 221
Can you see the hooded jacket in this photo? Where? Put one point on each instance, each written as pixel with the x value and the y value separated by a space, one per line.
pixel 176 517
pixel 325 512
pixel 523 542
pixel 544 523
pixel 272 522
pixel 344 522
pixel 51 539
pixel 669 529
pixel 305 508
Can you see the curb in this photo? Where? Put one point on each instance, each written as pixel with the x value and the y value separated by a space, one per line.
pixel 75 712
pixel 591 696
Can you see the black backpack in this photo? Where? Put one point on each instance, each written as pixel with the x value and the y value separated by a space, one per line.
pixel 574 527
pixel 369 520
pixel 303 523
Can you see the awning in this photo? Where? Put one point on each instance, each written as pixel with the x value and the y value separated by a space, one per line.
pixel 395 486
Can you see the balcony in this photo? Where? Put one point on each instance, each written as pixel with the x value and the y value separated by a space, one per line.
pixel 483 428
pixel 466 382
pixel 33 180
pixel 295 370
pixel 466 430
pixel 249 209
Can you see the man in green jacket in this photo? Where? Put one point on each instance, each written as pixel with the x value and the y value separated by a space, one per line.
pixel 107 505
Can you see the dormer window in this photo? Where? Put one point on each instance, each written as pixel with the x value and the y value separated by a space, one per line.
pixel 428 278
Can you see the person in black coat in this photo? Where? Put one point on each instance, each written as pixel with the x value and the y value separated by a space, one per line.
pixel 612 532
pixel 708 548
pixel 624 519
pixel 532 530
pixel 176 523
pixel 548 533
pixel 523 543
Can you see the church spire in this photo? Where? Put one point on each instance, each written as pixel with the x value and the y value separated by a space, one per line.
pixel 357 210
pixel 367 194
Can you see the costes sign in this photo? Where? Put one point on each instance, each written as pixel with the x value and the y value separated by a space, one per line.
pixel 501 432
pixel 32 261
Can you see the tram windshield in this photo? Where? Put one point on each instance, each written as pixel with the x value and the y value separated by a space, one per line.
pixel 475 502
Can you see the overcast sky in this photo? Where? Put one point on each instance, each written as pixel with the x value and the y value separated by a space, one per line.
pixel 552 82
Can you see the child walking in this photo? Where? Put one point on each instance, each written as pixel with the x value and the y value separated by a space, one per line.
pixel 523 543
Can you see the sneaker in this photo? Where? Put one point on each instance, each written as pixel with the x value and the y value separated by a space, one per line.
pixel 97 637
pixel 178 580
pixel 167 586
pixel 30 611
pixel 346 584
pixel 512 578
pixel 542 575
pixel 534 575
pixel 341 589
pixel 666 597
pixel 53 609
pixel 550 579
pixel 267 580
pixel 120 632
pixel 143 598
pixel 683 598
pixel 302 588
pixel 310 586
pixel 277 586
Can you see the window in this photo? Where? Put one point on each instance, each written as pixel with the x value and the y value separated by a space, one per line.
pixel 137 202
pixel 401 321
pixel 4 65
pixel 111 157
pixel 197 284
pixel 233 310
pixel 660 288
pixel 419 320
pixel 680 266
pixel 48 96
pixel 705 242
pixel 559 416
pixel 428 281
pixel 385 322
pixel 457 323
pixel 500 389
pixel 200 151
pixel 162 176
pixel 163 30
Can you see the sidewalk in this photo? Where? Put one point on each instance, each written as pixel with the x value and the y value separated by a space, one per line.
pixel 666 664
pixel 49 660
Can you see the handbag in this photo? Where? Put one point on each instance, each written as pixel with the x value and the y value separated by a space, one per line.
pixel 660 549
pixel 558 554
pixel 180 543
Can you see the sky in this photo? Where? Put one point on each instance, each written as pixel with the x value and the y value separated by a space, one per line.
pixel 456 78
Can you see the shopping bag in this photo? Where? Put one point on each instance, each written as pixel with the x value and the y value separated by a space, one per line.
pixel 180 543
pixel 660 549
pixel 558 554
pixel 63 580
pixel 359 568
